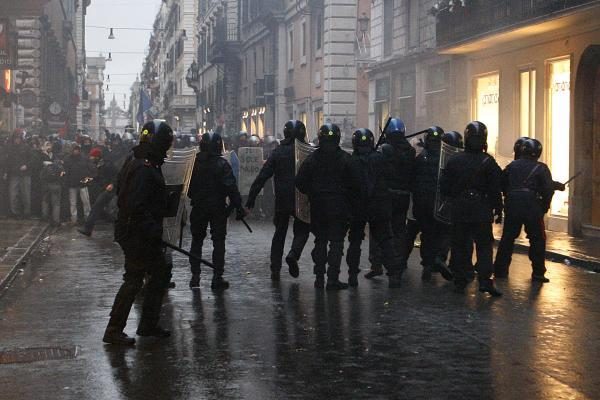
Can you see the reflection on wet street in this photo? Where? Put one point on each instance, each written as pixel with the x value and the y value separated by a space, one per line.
pixel 289 341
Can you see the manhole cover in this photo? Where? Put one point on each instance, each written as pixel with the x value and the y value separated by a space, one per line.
pixel 33 354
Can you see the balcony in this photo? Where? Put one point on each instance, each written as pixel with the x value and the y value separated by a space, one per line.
pixel 226 43
pixel 481 18
pixel 182 101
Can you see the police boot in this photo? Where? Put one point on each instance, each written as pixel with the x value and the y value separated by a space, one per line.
pixel 218 283
pixel 539 278
pixel 487 286
pixel 441 266
pixel 394 280
pixel 114 335
pixel 275 274
pixel 320 281
pixel 292 263
pixel 376 270
pixel 335 284
pixel 195 281
pixel 353 279
pixel 426 274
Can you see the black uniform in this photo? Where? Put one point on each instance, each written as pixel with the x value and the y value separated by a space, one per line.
pixel 212 182
pixel 105 176
pixel 528 189
pixel 399 158
pixel 472 180
pixel 325 176
pixel 372 205
pixel 142 200
pixel 281 166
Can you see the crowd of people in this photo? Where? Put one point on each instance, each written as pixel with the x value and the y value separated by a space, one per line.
pixel 56 179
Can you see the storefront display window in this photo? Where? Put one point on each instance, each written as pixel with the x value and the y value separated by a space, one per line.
pixel 486 107
pixel 527 103
pixel 559 107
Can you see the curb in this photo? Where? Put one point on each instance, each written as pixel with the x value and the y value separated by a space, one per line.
pixel 18 255
pixel 580 261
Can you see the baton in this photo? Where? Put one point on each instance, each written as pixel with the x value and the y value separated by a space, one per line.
pixel 417 133
pixel 245 223
pixel 382 135
pixel 230 209
pixel 187 253
pixel 573 177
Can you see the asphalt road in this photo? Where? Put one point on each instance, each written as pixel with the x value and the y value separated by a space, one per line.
pixel 289 341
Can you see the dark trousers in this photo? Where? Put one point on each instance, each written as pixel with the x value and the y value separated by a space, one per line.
pixel 141 260
pixel 400 240
pixel 102 201
pixel 301 233
pixel 200 220
pixel 433 234
pixel 328 232
pixel 463 236
pixel 381 235
pixel 536 233
pixel 412 231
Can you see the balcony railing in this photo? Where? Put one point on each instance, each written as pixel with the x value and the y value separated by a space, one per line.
pixel 483 17
pixel 225 42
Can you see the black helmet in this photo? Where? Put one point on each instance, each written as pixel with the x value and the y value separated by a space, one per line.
pixel 517 147
pixel 363 138
pixel 453 138
pixel 433 137
pixel 159 135
pixel 531 148
pixel 329 133
pixel 476 136
pixel 211 143
pixel 396 127
pixel 294 129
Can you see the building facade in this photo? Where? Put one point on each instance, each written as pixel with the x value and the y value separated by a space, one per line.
pixel 524 68
pixel 40 76
pixel 94 104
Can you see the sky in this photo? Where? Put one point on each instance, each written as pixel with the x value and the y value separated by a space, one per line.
pixel 124 67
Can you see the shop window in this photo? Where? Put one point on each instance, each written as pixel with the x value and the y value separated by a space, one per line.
pixel 558 114
pixel 404 104
pixel 382 113
pixel 319 119
pixel 486 107
pixel 527 103
pixel 303 118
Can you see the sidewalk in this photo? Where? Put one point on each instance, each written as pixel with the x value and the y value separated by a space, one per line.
pixel 560 247
pixel 17 239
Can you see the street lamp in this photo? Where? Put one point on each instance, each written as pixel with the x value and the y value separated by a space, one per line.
pixel 111 35
pixel 109 57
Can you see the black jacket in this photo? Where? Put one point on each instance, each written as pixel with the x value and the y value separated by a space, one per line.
pixel 326 177
pixel 372 197
pixel 17 156
pixel 142 200
pixel 400 163
pixel 472 181
pixel 281 165
pixel 77 168
pixel 212 182
pixel 425 178
pixel 528 186
pixel 106 174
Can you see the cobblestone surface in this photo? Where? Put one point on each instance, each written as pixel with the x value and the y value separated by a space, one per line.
pixel 288 341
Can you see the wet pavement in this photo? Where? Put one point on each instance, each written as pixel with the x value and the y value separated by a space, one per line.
pixel 289 341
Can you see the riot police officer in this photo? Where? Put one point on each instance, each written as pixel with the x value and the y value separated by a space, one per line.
pixel 399 157
pixel 211 184
pixel 325 176
pixel 528 189
pixel 142 201
pixel 281 165
pixel 372 205
pixel 424 188
pixel 472 180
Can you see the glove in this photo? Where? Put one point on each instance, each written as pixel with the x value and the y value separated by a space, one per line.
pixel 559 186
pixel 240 214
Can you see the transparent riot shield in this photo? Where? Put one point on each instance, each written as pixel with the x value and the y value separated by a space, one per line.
pixel 302 151
pixel 442 203
pixel 251 161
pixel 177 171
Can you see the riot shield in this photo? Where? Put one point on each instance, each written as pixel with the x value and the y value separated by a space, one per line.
pixel 302 151
pixel 442 203
pixel 251 161
pixel 177 170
